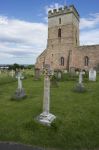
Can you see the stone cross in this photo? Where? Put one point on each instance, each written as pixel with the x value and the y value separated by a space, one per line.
pixel 46 117
pixel 46 99
pixel 80 77
pixel 20 93
pixel 19 77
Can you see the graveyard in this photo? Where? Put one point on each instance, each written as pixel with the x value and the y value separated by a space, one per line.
pixel 76 125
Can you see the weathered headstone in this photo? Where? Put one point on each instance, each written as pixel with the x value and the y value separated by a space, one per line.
pixel 72 70
pixel 20 93
pixel 77 72
pixel 46 117
pixel 12 73
pixel 59 75
pixel 65 71
pixel 37 74
pixel 92 75
pixel 80 87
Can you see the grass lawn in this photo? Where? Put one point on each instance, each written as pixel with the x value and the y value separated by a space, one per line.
pixel 76 125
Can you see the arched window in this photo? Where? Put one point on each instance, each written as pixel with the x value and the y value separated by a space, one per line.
pixel 86 60
pixel 59 32
pixel 62 61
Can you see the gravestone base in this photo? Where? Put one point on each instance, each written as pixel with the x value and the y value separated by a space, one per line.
pixel 79 88
pixel 46 119
pixel 19 94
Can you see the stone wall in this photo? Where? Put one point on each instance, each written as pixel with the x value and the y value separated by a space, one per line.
pixel 67 45
pixel 79 54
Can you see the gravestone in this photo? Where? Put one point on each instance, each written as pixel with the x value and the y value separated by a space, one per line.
pixel 77 72
pixel 12 73
pixel 80 77
pixel 72 70
pixel 46 117
pixel 92 75
pixel 59 74
pixel 20 93
pixel 80 87
pixel 65 71
pixel 37 74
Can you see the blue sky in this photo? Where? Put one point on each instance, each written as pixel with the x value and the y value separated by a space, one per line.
pixel 23 27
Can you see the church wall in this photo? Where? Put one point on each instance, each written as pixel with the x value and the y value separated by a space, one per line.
pixel 79 54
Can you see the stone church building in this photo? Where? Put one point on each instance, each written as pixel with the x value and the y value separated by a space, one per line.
pixel 63 51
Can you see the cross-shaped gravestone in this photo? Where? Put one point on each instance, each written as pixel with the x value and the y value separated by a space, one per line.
pixel 80 77
pixel 20 93
pixel 46 117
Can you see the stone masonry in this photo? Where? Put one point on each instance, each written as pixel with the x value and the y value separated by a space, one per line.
pixel 63 51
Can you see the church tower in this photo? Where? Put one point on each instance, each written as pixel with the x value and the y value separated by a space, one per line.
pixel 63 36
pixel 63 26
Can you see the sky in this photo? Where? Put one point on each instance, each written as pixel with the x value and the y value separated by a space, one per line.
pixel 23 27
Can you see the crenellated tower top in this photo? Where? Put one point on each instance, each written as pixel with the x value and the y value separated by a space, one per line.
pixel 63 10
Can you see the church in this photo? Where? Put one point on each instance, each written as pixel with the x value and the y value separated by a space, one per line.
pixel 63 50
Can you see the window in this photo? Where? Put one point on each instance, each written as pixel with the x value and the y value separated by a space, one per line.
pixel 62 61
pixel 59 32
pixel 76 37
pixel 59 20
pixel 86 60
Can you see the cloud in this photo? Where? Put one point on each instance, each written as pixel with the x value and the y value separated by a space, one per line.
pixel 19 38
pixel 91 22
pixel 52 6
pixel 22 41
pixel 89 37
pixel 89 30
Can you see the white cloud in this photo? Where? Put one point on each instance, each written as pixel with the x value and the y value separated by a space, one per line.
pixel 52 6
pixel 21 39
pixel 3 20
pixel 90 22
pixel 89 30
pixel 89 37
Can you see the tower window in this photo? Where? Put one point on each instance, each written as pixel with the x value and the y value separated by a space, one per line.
pixel 59 32
pixel 62 61
pixel 86 59
pixel 59 20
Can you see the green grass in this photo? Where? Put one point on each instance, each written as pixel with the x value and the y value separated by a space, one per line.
pixel 76 125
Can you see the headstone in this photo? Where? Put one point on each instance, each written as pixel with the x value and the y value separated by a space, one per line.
pixel 37 74
pixel 80 87
pixel 46 117
pixel 12 73
pixel 92 75
pixel 59 74
pixel 77 72
pixel 65 71
pixel 72 70
pixel 20 93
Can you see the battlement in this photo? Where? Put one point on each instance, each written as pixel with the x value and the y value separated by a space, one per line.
pixel 63 10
